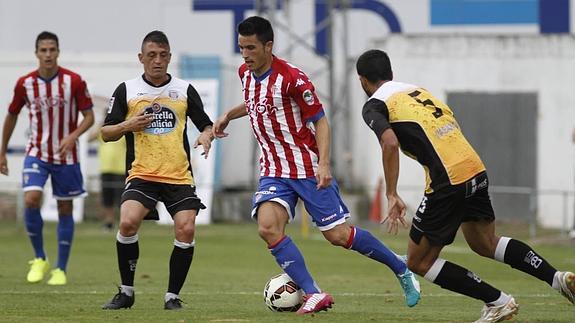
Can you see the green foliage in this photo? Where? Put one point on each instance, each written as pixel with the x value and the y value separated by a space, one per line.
pixel 231 266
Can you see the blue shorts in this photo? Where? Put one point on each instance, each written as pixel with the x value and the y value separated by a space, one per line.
pixel 67 182
pixel 324 206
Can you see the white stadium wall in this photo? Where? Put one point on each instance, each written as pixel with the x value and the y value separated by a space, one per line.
pixel 101 39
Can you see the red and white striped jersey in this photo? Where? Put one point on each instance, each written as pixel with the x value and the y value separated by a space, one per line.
pixel 282 106
pixel 53 111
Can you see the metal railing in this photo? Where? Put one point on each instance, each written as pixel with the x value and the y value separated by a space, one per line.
pixel 567 198
pixel 533 194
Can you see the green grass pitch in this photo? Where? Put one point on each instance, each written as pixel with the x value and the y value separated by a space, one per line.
pixel 231 265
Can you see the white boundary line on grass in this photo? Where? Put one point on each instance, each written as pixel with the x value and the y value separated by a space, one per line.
pixel 64 292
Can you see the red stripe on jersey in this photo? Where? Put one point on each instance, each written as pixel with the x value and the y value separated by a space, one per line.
pixel 50 139
pixel 28 99
pixel 73 88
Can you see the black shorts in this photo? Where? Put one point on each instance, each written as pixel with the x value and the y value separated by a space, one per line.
pixel 112 188
pixel 175 197
pixel 441 213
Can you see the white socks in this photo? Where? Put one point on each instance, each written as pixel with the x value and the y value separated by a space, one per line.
pixel 556 280
pixel 500 249
pixel 170 296
pixel 128 290
pixel 126 240
pixel 502 300
pixel 435 269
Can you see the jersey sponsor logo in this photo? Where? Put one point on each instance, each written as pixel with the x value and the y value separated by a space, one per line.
pixel 445 129
pixel 299 82
pixel 50 102
pixel 308 97
pixel 262 107
pixel 164 119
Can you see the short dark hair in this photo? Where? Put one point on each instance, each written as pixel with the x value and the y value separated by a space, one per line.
pixel 375 66
pixel 258 26
pixel 46 35
pixel 157 37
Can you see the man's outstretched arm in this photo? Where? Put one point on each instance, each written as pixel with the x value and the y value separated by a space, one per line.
pixel 239 111
pixel 7 130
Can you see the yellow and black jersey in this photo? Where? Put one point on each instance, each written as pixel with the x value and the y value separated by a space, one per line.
pixel 426 130
pixel 160 153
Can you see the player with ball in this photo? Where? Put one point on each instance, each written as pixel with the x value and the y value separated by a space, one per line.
pixel 292 130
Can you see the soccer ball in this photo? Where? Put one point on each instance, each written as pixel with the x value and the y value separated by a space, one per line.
pixel 281 294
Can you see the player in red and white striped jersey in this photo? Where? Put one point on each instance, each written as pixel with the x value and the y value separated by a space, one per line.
pixel 54 97
pixel 281 105
pixel 53 105
pixel 289 123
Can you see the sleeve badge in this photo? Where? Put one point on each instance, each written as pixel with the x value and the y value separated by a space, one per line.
pixel 308 97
